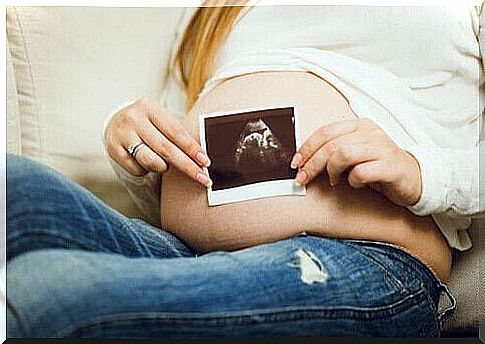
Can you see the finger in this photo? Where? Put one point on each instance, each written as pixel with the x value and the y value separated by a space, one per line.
pixel 144 156
pixel 313 167
pixel 368 173
pixel 321 136
pixel 118 153
pixel 126 161
pixel 348 151
pixel 177 134
pixel 344 147
pixel 177 158
pixel 149 160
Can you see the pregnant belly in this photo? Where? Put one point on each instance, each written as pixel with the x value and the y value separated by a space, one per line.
pixel 339 211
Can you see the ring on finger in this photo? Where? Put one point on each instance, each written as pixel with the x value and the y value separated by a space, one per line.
pixel 134 148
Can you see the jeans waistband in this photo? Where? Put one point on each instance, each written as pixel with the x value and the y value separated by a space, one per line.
pixel 444 312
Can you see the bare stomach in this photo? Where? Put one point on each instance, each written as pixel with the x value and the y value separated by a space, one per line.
pixel 340 212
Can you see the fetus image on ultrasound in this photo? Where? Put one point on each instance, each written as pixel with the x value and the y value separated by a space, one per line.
pixel 258 149
pixel 250 147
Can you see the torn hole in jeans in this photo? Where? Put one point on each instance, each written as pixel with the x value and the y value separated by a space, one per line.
pixel 311 268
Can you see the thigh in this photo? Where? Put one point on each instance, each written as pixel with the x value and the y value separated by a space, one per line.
pixel 47 210
pixel 305 286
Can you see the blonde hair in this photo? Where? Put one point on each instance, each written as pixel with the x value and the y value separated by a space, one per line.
pixel 201 42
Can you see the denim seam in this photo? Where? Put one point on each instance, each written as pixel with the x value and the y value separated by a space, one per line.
pixel 129 227
pixel 382 245
pixel 128 224
pixel 396 281
pixel 247 317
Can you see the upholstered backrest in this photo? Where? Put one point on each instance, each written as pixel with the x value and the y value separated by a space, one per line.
pixel 71 66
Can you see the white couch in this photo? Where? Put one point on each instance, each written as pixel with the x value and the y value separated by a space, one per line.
pixel 67 67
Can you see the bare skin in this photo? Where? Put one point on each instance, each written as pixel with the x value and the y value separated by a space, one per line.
pixel 354 208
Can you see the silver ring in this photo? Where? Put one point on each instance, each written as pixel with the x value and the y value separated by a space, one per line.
pixel 134 148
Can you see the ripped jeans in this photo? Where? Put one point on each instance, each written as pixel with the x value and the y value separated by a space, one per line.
pixel 77 268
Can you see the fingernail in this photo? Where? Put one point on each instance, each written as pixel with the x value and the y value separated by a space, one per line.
pixel 203 179
pixel 203 159
pixel 301 177
pixel 295 162
pixel 209 184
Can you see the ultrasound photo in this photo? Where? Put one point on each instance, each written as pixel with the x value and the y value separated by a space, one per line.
pixel 251 151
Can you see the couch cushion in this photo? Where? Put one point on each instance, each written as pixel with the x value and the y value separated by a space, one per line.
pixel 466 283
pixel 72 66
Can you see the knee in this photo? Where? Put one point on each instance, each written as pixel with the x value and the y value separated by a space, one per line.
pixel 29 183
pixel 24 172
pixel 45 293
pixel 18 164
pixel 33 192
pixel 23 176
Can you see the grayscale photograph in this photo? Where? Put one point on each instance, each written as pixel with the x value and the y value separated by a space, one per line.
pixel 251 151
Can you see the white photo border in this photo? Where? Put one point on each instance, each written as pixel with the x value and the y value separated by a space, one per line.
pixel 271 188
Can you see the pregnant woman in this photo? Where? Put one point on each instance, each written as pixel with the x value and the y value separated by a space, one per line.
pixel 389 130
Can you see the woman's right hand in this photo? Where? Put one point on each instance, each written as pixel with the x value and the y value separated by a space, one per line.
pixel 166 142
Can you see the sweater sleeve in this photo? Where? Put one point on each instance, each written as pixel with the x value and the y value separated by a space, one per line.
pixel 144 190
pixel 450 181
pixel 451 184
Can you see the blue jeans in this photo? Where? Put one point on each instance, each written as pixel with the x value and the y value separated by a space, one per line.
pixel 77 268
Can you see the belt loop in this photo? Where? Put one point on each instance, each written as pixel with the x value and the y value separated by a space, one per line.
pixel 443 314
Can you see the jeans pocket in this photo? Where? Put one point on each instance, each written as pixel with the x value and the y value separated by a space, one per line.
pixel 433 288
pixel 383 262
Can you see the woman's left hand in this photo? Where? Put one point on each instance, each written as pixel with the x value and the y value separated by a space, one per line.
pixel 361 148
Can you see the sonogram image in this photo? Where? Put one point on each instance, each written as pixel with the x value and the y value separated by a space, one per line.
pixel 258 148
pixel 250 147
